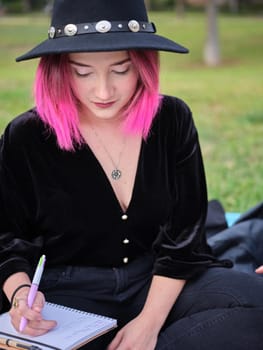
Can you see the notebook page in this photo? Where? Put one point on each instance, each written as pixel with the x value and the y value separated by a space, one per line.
pixel 74 327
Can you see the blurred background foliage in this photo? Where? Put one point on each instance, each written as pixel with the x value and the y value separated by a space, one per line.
pixel 240 6
pixel 226 98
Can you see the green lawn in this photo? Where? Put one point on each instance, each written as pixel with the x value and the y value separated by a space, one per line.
pixel 227 101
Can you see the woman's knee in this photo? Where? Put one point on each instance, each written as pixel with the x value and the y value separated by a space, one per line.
pixel 246 289
pixel 238 328
pixel 219 288
pixel 240 288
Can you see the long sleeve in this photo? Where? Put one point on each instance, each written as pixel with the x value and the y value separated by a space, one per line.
pixel 181 248
pixel 19 247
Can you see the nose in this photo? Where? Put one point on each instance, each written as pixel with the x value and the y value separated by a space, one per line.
pixel 104 88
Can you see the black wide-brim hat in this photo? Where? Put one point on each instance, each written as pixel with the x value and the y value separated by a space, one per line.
pixel 100 25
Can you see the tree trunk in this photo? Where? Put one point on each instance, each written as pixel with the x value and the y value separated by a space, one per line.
pixel 179 8
pixel 211 50
pixel 233 5
pixel 26 4
pixel 2 9
pixel 148 4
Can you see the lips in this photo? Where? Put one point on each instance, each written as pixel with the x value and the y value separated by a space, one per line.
pixel 104 105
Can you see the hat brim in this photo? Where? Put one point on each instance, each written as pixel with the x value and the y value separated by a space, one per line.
pixel 97 42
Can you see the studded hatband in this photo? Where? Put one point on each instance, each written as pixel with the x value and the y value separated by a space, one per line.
pixel 103 26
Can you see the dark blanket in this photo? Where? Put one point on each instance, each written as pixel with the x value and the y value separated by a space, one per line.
pixel 242 242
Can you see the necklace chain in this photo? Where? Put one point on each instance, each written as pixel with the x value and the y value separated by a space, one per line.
pixel 116 172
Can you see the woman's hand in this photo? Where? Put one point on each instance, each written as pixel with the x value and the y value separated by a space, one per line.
pixel 36 325
pixel 142 332
pixel 259 269
pixel 137 334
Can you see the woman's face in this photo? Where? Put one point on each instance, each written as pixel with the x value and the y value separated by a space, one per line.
pixel 104 82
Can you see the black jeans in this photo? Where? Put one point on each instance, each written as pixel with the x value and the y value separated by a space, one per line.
pixel 221 309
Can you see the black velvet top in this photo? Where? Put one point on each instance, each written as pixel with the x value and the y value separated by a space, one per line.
pixel 61 204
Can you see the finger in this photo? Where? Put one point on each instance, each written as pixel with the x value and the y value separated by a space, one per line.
pixel 259 269
pixel 30 316
pixel 39 303
pixel 33 314
pixel 35 328
pixel 115 342
pixel 37 306
pixel 18 308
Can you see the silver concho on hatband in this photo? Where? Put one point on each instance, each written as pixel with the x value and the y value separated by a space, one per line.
pixel 52 32
pixel 103 26
pixel 70 29
pixel 134 26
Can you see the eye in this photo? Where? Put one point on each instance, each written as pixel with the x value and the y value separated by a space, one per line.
pixel 81 72
pixel 121 70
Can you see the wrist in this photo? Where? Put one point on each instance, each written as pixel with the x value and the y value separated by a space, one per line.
pixel 152 321
pixel 17 290
pixel 14 281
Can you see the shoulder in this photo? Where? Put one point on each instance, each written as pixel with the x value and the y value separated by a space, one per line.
pixel 174 104
pixel 175 110
pixel 175 118
pixel 23 126
pixel 25 136
pixel 24 130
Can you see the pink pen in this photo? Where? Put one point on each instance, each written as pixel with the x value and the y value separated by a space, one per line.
pixel 33 289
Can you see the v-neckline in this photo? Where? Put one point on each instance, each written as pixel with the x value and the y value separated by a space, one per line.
pixel 109 185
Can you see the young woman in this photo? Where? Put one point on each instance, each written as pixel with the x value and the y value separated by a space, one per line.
pixel 105 177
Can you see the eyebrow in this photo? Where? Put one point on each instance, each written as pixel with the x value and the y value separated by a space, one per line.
pixel 87 65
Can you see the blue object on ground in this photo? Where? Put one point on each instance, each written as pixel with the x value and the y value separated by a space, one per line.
pixel 231 218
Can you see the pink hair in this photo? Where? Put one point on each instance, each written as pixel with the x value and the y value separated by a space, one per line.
pixel 57 104
pixel 146 101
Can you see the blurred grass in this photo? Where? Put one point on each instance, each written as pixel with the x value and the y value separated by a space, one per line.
pixel 227 101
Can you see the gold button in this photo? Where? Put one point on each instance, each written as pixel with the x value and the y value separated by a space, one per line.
pixel 124 217
pixel 125 260
pixel 126 241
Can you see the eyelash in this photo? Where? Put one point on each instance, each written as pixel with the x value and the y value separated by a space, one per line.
pixel 84 75
pixel 81 75
pixel 122 72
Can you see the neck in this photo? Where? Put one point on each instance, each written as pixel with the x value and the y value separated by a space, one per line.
pixel 87 119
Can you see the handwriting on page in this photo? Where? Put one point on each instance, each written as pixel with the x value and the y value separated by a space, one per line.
pixel 80 326
pixel 74 327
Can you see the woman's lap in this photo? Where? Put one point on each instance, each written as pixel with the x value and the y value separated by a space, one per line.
pixel 219 288
pixel 236 328
pixel 219 301
pixel 222 309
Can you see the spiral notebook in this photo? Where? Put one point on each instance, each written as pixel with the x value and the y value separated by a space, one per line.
pixel 74 328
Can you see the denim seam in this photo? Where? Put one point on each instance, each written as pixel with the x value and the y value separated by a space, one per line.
pixel 241 301
pixel 116 273
pixel 209 323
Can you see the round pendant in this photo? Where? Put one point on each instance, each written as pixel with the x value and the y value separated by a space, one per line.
pixel 116 174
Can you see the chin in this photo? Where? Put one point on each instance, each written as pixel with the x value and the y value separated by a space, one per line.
pixel 106 115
